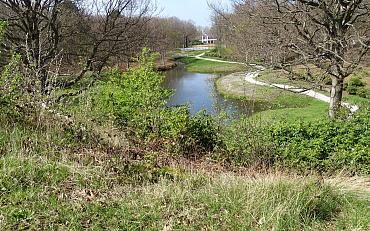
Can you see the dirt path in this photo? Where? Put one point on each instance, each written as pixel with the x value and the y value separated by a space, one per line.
pixel 250 77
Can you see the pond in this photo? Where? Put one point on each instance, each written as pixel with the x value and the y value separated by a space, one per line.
pixel 199 92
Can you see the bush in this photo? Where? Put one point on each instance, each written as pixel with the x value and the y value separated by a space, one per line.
pixel 327 145
pixel 189 133
pixel 9 82
pixel 246 143
pixel 133 99
pixel 355 86
pixel 136 102
pixel 363 92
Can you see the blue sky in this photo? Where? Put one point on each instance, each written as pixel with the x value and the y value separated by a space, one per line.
pixel 195 10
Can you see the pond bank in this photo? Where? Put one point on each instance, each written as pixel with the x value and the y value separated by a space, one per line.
pixel 168 65
pixel 236 87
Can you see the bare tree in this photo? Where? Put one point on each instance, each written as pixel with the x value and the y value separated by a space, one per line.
pixel 171 33
pixel 117 30
pixel 91 33
pixel 329 37
pixel 33 31
pixel 243 31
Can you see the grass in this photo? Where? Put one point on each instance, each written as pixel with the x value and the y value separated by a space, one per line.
pixel 38 193
pixel 354 99
pixel 205 66
pixel 274 104
pixel 313 111
pixel 51 180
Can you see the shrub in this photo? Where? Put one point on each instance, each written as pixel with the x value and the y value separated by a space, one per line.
pixel 189 133
pixel 246 143
pixel 9 82
pixel 134 99
pixel 136 102
pixel 355 85
pixel 363 92
pixel 20 95
pixel 321 146
pixel 327 145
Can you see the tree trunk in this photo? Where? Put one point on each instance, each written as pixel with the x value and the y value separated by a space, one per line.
pixel 335 97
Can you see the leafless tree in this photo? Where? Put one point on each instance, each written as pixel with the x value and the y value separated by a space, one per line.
pixel 329 37
pixel 33 31
pixel 329 34
pixel 117 29
pixel 170 33
pixel 88 32
pixel 244 33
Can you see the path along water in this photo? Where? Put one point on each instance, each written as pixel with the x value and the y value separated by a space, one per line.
pixel 250 77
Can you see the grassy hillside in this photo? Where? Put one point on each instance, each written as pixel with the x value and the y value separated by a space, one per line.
pixel 88 189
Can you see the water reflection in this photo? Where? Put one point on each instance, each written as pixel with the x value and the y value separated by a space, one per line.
pixel 199 91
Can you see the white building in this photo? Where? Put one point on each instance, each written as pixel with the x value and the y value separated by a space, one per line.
pixel 208 40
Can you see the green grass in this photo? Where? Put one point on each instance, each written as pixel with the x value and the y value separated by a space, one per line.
pixel 313 111
pixel 205 66
pixel 46 184
pixel 354 99
pixel 273 104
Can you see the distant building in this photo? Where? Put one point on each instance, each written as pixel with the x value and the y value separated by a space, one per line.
pixel 208 40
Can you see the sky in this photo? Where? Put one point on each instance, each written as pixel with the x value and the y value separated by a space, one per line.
pixel 195 10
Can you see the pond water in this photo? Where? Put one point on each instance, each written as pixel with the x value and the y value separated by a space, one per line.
pixel 199 92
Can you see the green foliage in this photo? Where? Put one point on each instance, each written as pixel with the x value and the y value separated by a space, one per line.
pixel 326 145
pixel 363 92
pixel 245 143
pixel 188 133
pixel 9 85
pixel 135 98
pixel 219 52
pixel 10 80
pixel 356 86
pixel 136 102
pixel 18 97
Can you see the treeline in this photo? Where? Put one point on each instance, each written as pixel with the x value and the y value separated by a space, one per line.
pixel 78 36
pixel 327 39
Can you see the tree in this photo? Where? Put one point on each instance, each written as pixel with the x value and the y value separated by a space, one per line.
pixel 327 36
pixel 244 32
pixel 330 34
pixel 116 29
pixel 171 33
pixel 91 33
pixel 33 32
